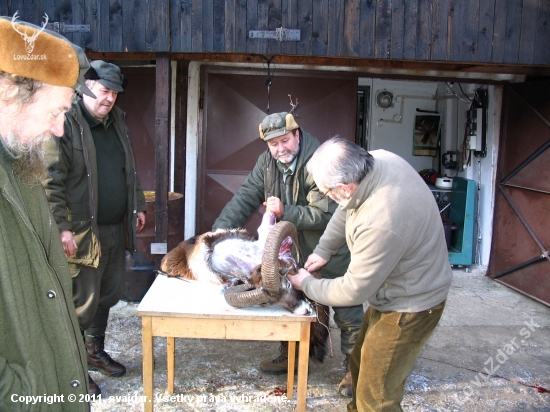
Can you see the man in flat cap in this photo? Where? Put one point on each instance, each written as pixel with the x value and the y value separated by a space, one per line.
pixel 281 182
pixel 96 199
pixel 41 352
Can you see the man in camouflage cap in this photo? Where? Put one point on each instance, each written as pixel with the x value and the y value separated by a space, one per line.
pixel 41 349
pixel 282 184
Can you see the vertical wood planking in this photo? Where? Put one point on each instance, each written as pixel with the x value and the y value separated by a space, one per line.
pixel 440 30
pixel 319 35
pixel 219 22
pixel 513 31
pixel 367 33
pixel 115 25
pixel 162 140
pixel 383 30
pixel 230 26
pixel 486 31
pixel 196 26
pixel 64 15
pixel 273 9
pixel 410 30
pixel 352 16
pixel 289 19
pixel 528 32
pixel 241 32
pixel 103 24
pixel 499 33
pixel 31 11
pixel 78 7
pixel 208 25
pixel 542 50
pixel 424 30
pixel 181 26
pixel 335 25
pixel 456 33
pixel 252 45
pixel 157 27
pixel 305 17
pixel 91 39
pixel 397 30
pixel 470 19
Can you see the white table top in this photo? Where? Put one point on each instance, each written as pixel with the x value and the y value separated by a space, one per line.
pixel 178 298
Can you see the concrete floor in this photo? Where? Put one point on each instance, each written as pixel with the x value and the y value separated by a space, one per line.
pixel 490 352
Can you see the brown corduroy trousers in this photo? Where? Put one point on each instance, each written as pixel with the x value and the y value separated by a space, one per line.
pixel 385 352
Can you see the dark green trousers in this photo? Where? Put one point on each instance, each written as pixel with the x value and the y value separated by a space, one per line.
pixel 386 350
pixel 97 290
pixel 349 320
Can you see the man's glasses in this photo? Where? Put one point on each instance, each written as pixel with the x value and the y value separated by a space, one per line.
pixel 325 194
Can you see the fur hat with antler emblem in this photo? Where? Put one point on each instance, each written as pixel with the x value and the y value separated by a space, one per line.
pixel 40 54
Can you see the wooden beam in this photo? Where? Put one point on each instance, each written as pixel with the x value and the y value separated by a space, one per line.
pixel 162 139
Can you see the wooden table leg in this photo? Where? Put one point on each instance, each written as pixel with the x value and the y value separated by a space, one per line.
pixel 303 360
pixel 147 354
pixel 290 371
pixel 170 349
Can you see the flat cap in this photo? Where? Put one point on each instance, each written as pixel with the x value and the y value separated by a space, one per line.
pixel 277 124
pixel 40 54
pixel 107 74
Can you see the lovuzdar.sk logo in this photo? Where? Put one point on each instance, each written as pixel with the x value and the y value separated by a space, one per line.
pixel 29 36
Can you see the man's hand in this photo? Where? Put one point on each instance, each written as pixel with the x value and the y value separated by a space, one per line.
pixel 314 262
pixel 274 205
pixel 140 221
pixel 298 278
pixel 69 244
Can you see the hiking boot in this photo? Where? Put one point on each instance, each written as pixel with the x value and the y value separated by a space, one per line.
pixel 93 388
pixel 279 365
pixel 99 360
pixel 345 387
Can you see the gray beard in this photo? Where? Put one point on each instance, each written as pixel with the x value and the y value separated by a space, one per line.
pixel 30 165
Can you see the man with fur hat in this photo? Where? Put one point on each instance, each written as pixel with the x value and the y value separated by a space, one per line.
pixel 41 354
pixel 282 184
pixel 96 199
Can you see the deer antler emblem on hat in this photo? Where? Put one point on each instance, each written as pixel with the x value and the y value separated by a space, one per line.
pixel 29 40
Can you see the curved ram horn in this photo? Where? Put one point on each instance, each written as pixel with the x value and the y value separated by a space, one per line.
pixel 241 296
pixel 270 260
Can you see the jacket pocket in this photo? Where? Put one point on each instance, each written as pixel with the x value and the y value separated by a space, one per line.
pixel 87 252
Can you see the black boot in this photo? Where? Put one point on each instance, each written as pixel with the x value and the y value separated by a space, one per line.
pixel 93 388
pixel 99 360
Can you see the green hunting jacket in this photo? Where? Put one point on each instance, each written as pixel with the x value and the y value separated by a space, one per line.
pixel 307 211
pixel 71 186
pixel 41 347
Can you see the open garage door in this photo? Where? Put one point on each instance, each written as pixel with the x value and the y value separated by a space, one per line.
pixel 235 103
pixel 521 232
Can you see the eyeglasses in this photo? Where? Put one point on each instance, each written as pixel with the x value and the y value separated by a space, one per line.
pixel 324 194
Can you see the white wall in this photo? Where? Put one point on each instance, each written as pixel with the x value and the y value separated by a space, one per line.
pixel 393 128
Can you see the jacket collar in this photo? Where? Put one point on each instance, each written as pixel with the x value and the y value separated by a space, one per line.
pixel 365 188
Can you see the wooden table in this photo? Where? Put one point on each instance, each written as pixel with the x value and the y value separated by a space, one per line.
pixel 178 309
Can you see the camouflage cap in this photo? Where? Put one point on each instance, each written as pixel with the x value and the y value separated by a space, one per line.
pixel 40 54
pixel 277 124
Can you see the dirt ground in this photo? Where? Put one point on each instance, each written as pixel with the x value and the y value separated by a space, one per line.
pixel 490 352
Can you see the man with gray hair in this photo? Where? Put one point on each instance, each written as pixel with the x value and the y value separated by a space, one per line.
pixel 399 264
pixel 96 199
pixel 41 354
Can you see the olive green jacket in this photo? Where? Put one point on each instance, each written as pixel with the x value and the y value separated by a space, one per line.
pixel 71 186
pixel 307 211
pixel 41 347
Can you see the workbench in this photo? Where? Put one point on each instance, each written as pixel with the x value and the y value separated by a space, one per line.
pixel 174 308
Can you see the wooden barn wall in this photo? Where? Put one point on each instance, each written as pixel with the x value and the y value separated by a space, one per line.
pixel 483 31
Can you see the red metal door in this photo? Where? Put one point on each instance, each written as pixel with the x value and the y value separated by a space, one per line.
pixel 236 103
pixel 521 231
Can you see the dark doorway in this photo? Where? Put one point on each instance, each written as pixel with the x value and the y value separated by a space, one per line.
pixel 236 103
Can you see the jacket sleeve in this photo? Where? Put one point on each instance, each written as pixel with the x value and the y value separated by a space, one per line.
pixel 246 201
pixel 315 213
pixel 58 158
pixel 140 196
pixel 334 236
